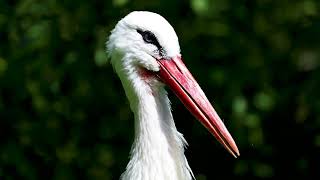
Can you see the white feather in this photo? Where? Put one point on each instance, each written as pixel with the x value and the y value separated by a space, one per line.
pixel 158 149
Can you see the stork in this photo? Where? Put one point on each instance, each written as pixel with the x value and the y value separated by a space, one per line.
pixel 145 53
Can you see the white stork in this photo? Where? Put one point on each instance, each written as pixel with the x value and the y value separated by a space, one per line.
pixel 145 53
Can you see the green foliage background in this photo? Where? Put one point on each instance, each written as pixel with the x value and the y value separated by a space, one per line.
pixel 64 114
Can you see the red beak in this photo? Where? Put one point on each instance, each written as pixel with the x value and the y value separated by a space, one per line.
pixel 175 74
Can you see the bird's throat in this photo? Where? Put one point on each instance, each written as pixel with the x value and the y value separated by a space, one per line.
pixel 158 148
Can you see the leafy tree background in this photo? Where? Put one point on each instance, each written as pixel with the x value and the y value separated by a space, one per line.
pixel 64 114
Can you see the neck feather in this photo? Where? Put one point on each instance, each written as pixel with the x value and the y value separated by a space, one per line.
pixel 158 149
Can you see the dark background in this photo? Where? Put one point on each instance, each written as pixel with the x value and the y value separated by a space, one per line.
pixel 64 114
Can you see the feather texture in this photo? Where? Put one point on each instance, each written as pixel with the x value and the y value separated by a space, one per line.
pixel 158 148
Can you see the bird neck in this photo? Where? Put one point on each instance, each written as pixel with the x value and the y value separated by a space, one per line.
pixel 158 148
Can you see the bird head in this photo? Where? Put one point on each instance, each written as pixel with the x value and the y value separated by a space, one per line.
pixel 146 42
pixel 145 37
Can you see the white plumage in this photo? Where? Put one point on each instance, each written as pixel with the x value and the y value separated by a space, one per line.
pixel 158 149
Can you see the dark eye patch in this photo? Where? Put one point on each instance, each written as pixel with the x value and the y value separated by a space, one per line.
pixel 149 37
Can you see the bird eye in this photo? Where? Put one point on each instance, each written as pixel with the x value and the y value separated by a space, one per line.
pixel 149 37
